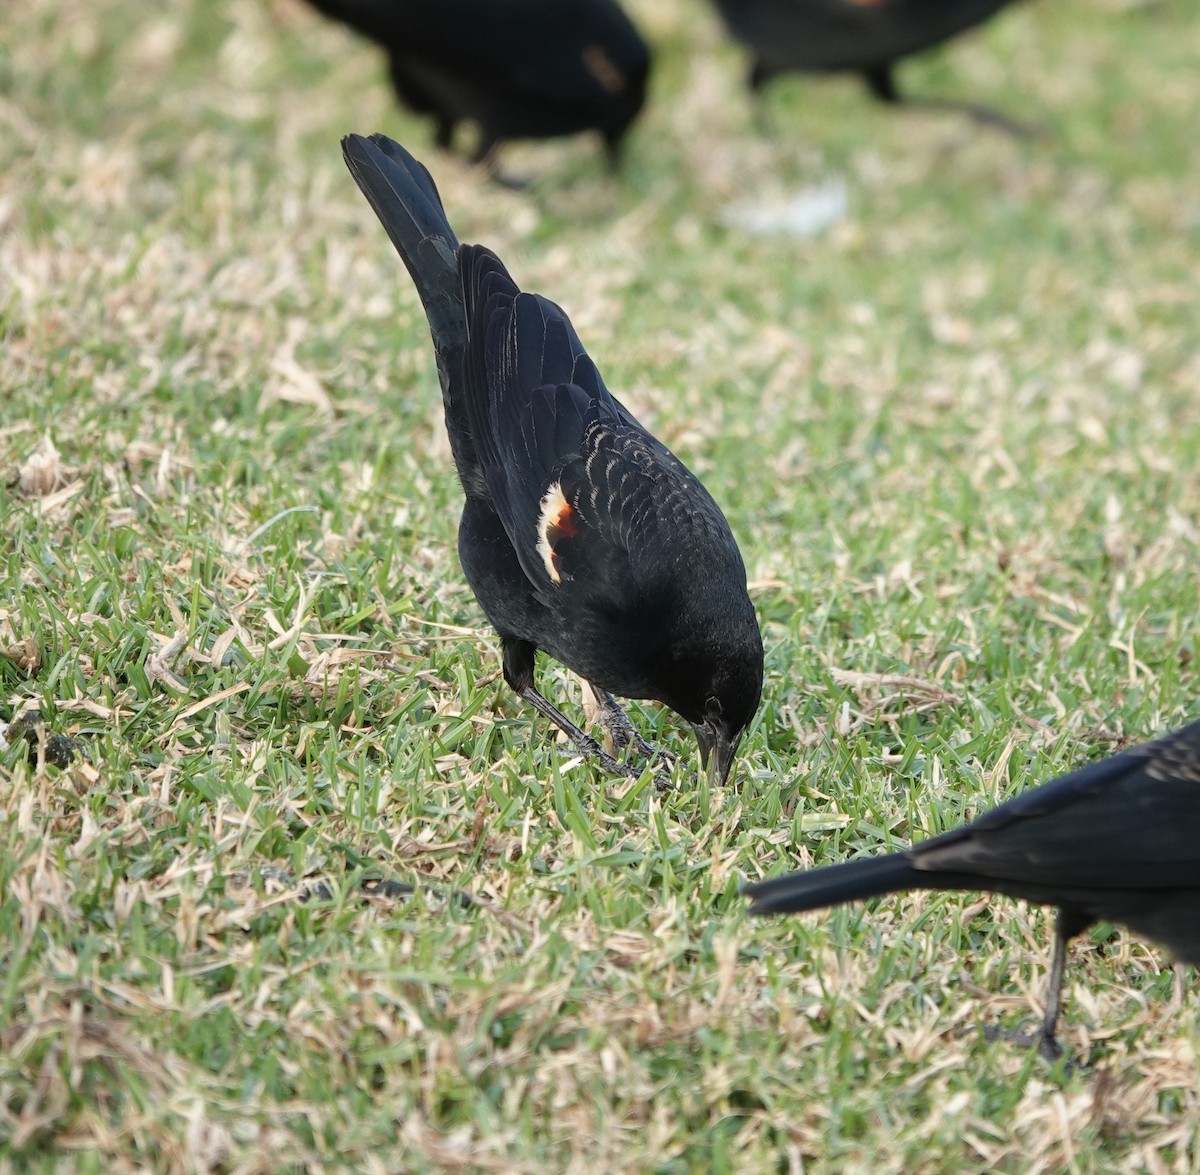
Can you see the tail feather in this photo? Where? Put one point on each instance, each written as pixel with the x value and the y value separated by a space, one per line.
pixel 406 200
pixel 813 889
pixel 407 203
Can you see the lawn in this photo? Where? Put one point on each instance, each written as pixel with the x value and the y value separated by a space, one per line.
pixel 957 435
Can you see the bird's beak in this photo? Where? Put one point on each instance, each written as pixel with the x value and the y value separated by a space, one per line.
pixel 717 750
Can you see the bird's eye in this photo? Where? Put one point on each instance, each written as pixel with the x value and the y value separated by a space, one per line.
pixel 712 707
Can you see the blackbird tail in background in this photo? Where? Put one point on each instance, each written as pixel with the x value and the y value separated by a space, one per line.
pixel 835 884
pixel 1067 925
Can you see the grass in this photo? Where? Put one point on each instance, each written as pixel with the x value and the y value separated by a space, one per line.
pixel 958 438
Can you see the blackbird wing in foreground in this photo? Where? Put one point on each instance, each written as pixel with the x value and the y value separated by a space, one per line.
pixel 519 69
pixel 582 534
pixel 1115 841
pixel 868 38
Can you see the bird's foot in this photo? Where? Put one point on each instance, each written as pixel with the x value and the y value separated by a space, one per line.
pixel 614 721
pixel 661 765
pixel 510 183
pixel 980 115
pixel 1015 128
pixel 661 761
pixel 1047 1044
pixel 663 782
pixel 487 156
pixel 591 749
pixel 616 724
pixel 624 735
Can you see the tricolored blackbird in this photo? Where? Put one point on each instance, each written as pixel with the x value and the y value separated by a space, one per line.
pixel 1115 841
pixel 861 36
pixel 518 69
pixel 582 534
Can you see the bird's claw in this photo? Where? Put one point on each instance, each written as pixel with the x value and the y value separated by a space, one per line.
pixel 1047 1044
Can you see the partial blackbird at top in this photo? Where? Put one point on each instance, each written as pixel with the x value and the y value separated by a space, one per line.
pixel 867 37
pixel 1115 841
pixel 518 69
pixel 582 534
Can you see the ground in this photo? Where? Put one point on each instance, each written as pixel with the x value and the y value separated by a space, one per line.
pixel 957 434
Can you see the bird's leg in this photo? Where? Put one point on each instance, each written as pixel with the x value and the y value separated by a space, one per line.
pixel 760 73
pixel 1048 1044
pixel 881 81
pixel 613 149
pixel 518 672
pixel 584 743
pixel 602 707
pixel 983 115
pixel 444 133
pixel 882 84
pixel 1067 925
pixel 622 732
pixel 487 156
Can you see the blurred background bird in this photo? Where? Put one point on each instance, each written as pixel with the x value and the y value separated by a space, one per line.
pixel 516 69
pixel 867 37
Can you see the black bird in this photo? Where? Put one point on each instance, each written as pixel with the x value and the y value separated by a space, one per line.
pixel 518 69
pixel 1116 841
pixel 860 36
pixel 582 534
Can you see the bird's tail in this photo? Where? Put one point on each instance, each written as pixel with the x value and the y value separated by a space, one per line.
pixel 406 200
pixel 407 203
pixel 814 889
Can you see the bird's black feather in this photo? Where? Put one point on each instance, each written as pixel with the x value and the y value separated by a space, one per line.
pixel 582 534
pixel 812 36
pixel 518 69
pixel 1113 841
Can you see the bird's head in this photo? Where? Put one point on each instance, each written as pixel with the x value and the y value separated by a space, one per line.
pixel 726 715
pixel 718 688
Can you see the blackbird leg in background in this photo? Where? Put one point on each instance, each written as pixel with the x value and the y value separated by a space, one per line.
pixel 1048 1044
pixel 764 121
pixel 984 115
pixel 444 134
pixel 1067 925
pixel 882 84
pixel 613 149
pixel 519 657
pixel 881 81
pixel 487 156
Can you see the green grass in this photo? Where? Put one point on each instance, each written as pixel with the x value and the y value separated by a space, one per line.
pixel 957 436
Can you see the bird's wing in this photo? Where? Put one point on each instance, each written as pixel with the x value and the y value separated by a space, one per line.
pixel 1127 822
pixel 592 503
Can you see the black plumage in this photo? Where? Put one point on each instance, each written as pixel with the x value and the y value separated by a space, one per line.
pixel 582 534
pixel 1115 841
pixel 867 37
pixel 517 69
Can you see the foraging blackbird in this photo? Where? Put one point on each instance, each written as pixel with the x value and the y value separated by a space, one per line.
pixel 1115 841
pixel 863 36
pixel 582 534
pixel 519 69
